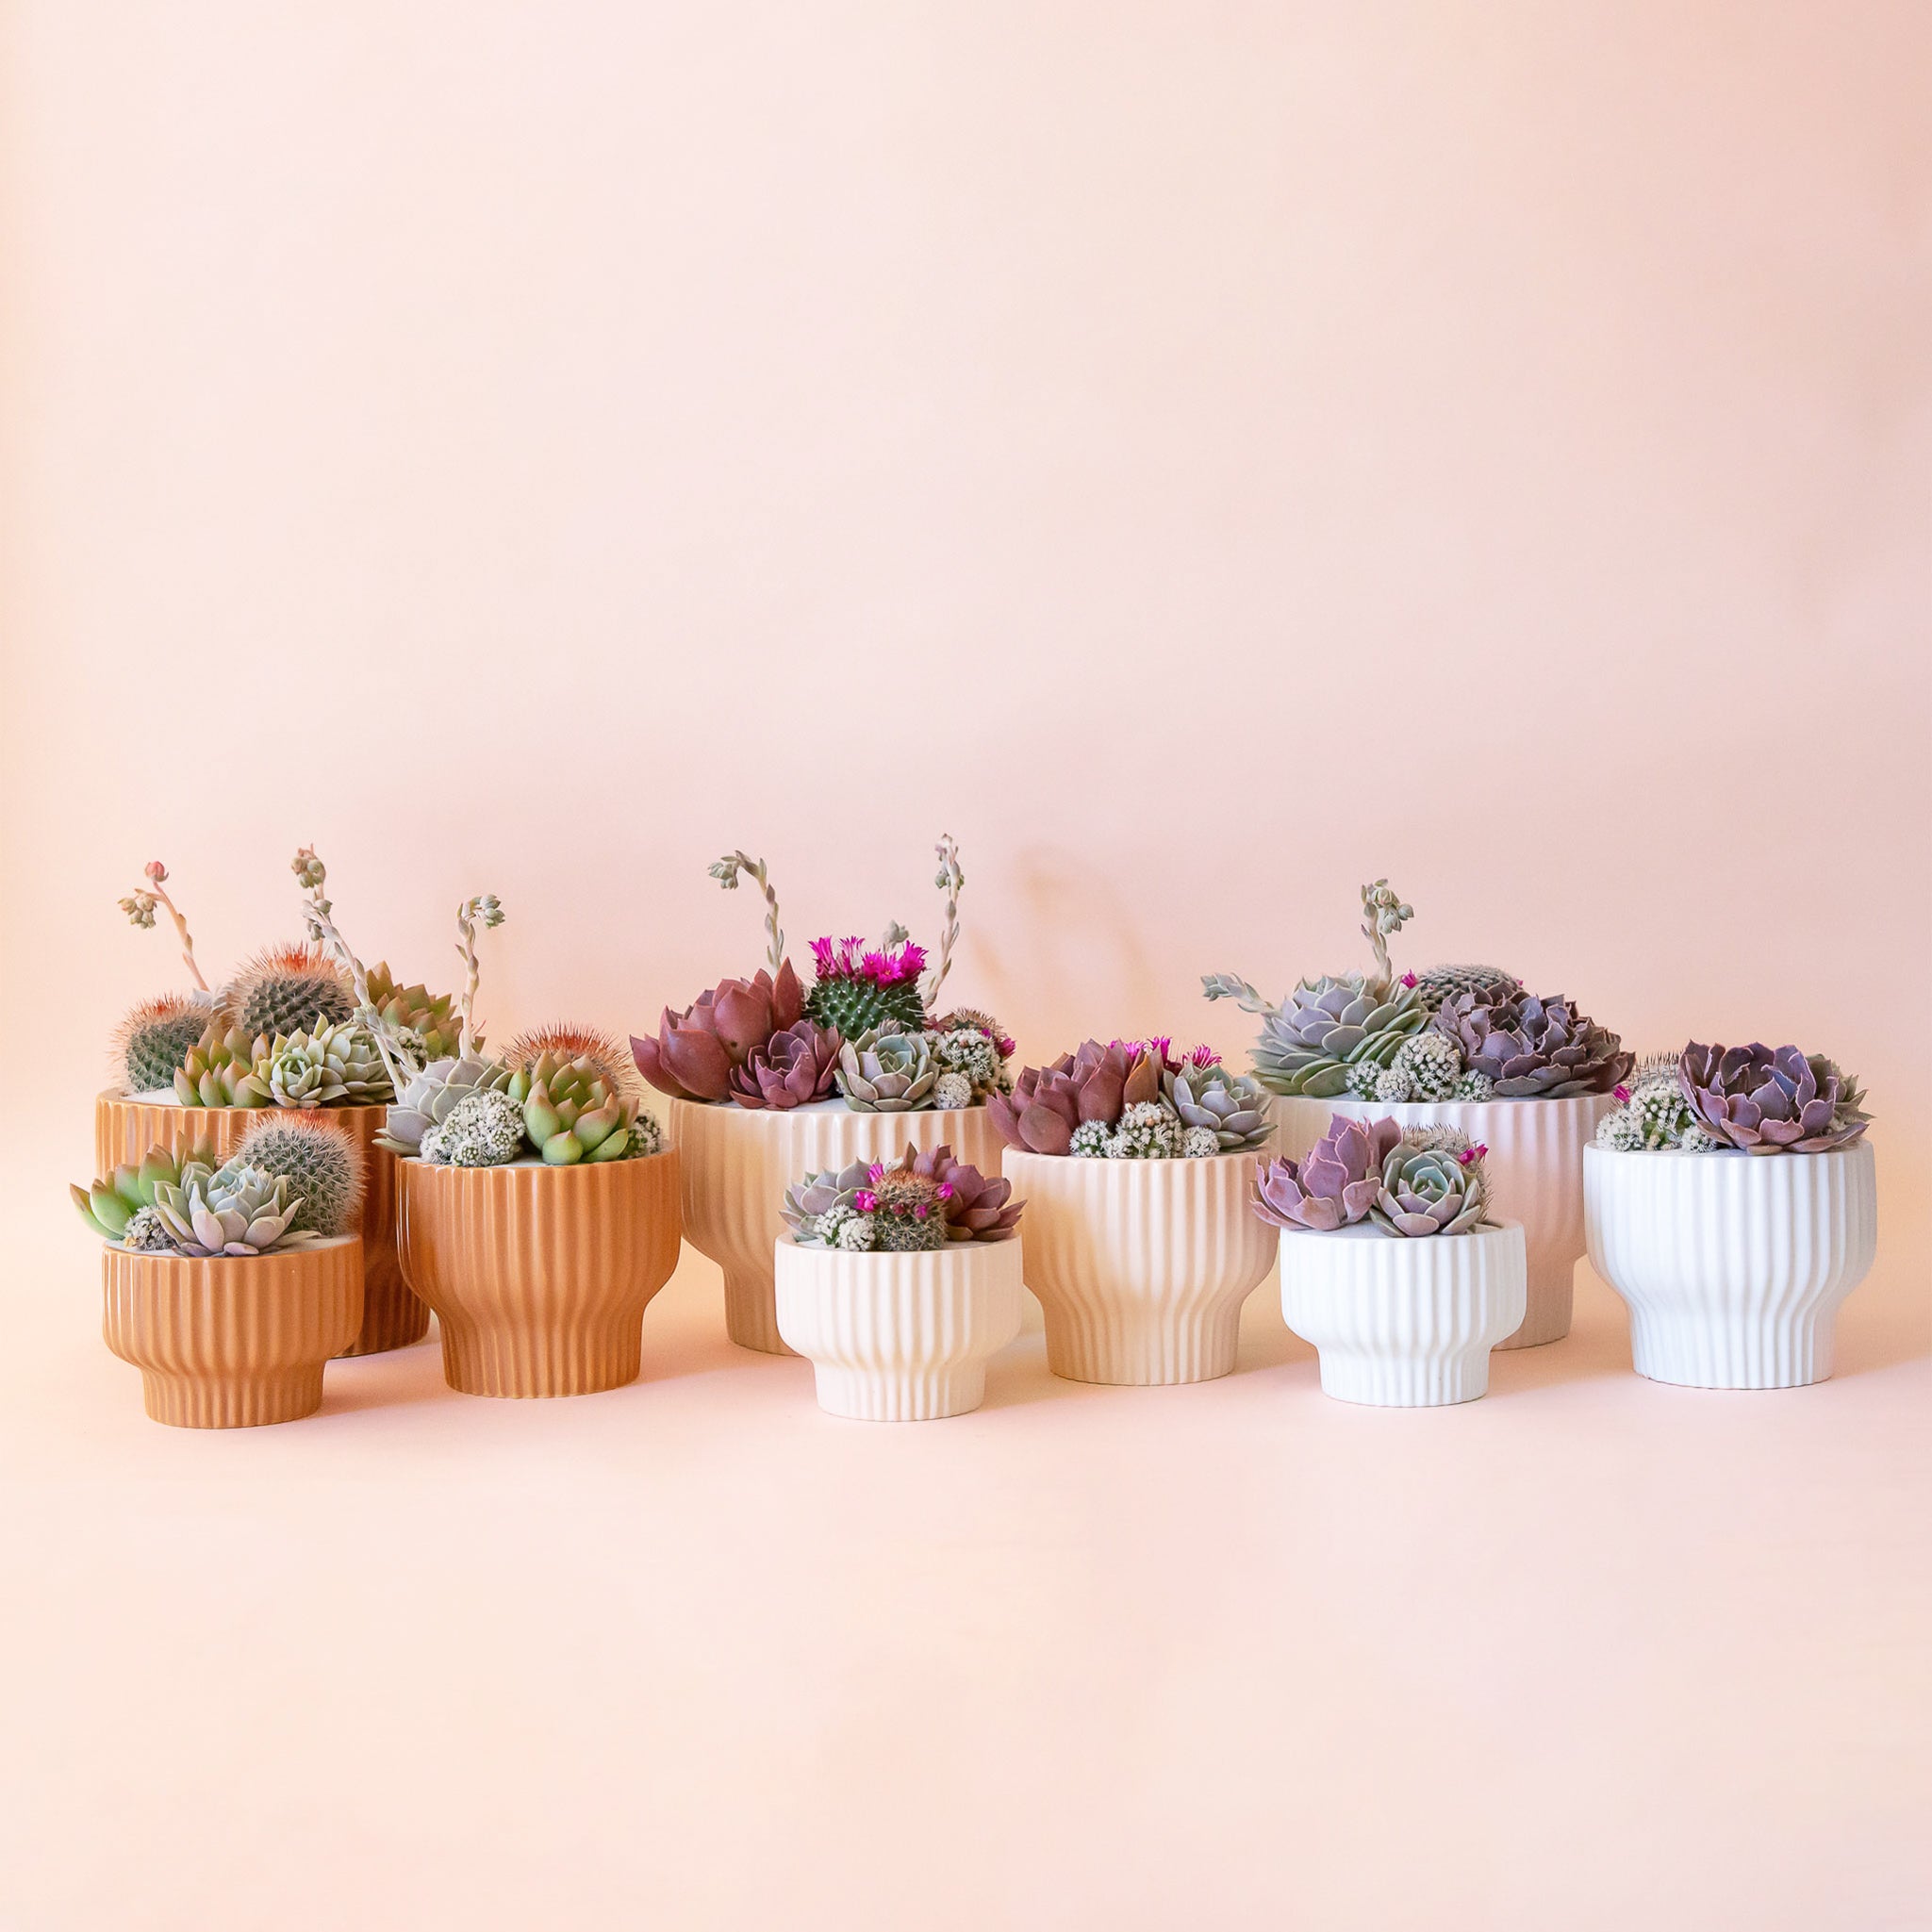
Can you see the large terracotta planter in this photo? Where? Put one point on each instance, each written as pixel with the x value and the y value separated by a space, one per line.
pixel 1141 1266
pixel 539 1276
pixel 738 1162
pixel 231 1342
pixel 1402 1323
pixel 392 1318
pixel 900 1337
pixel 1733 1266
pixel 1535 1176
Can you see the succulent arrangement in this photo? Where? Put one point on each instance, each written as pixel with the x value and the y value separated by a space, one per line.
pixel 866 1031
pixel 1132 1100
pixel 1754 1099
pixel 1454 1032
pixel 919 1202
pixel 1416 1182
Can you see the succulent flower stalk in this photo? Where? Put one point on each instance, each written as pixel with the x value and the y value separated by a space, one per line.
pixel 139 908
pixel 726 871
pixel 950 880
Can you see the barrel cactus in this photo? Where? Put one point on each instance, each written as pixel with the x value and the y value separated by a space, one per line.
pixel 220 1070
pixel 1432 1183
pixel 288 989
pixel 236 1211
pixel 1770 1100
pixel 154 1040
pixel 319 1160
pixel 1333 1185
pixel 886 1073
pixel 860 989
pixel 335 1066
pixel 110 1204
pixel 433 1096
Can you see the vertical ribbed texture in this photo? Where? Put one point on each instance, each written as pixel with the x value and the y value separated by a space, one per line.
pixel 738 1162
pixel 1733 1266
pixel 391 1316
pixel 900 1337
pixel 229 1343
pixel 1141 1265
pixel 1402 1323
pixel 1536 1177
pixel 539 1276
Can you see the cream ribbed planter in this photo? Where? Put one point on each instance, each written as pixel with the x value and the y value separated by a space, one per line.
pixel 1404 1323
pixel 1733 1266
pixel 900 1337
pixel 1535 1177
pixel 1141 1265
pixel 738 1162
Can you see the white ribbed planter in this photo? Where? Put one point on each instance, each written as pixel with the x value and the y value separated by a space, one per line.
pixel 900 1337
pixel 738 1162
pixel 1404 1323
pixel 1733 1266
pixel 1141 1265
pixel 1535 1176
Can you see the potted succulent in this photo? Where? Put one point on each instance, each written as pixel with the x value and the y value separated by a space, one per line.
pixel 1140 1243
pixel 230 1283
pixel 1391 1263
pixel 1464 1046
pixel 770 1076
pixel 288 1030
pixel 1731 1200
pixel 899 1282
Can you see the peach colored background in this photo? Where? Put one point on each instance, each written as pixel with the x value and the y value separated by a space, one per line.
pixel 1202 457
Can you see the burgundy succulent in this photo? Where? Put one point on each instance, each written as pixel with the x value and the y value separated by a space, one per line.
pixel 1771 1101
pixel 1542 1048
pixel 696 1051
pixel 980 1207
pixel 1335 1185
pixel 1096 1083
pixel 789 1068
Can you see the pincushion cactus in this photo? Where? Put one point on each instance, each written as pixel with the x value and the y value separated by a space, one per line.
pixel 322 1166
pixel 908 1209
pixel 485 1128
pixel 1531 1047
pixel 860 989
pixel 886 1073
pixel 1333 1185
pixel 1768 1100
pixel 1093 1140
pixel 1432 1183
pixel 154 1040
pixel 287 990
pixel 1147 1131
pixel 432 1096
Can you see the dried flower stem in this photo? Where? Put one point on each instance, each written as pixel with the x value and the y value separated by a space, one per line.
pixel 399 1067
pixel 951 879
pixel 1232 986
pixel 486 909
pixel 726 871
pixel 1385 914
pixel 139 907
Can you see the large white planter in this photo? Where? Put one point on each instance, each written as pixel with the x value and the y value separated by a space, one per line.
pixel 1535 1177
pixel 900 1337
pixel 1404 1323
pixel 1733 1266
pixel 738 1162
pixel 1141 1265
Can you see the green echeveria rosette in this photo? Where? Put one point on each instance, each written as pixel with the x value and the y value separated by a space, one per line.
pixel 335 1066
pixel 573 1113
pixel 114 1202
pixel 887 1073
pixel 219 1071
pixel 1231 1106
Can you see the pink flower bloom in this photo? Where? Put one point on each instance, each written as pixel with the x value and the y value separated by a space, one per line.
pixel 1410 980
pixel 877 1171
pixel 921 1212
pixel 1470 1154
pixel 1621 1093
pixel 864 1200
pixel 946 1190
pixel 155 870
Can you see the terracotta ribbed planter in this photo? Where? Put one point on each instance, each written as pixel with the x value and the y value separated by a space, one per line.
pixel 229 1343
pixel 1733 1266
pixel 1535 1177
pixel 900 1337
pixel 1141 1266
pixel 392 1318
pixel 738 1162
pixel 539 1276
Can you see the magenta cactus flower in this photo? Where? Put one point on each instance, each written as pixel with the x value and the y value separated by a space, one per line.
pixel 1335 1185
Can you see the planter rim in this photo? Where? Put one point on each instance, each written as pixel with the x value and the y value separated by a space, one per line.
pixel 1490 1231
pixel 1594 1151
pixel 886 1254
pixel 238 1261
pixel 1395 1107
pixel 1169 1161
pixel 167 1097
pixel 809 1107
pixel 531 1163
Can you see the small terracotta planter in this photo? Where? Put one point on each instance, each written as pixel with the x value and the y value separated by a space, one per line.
pixel 539 1276
pixel 1142 1266
pixel 231 1343
pixel 392 1318
pixel 900 1337
pixel 738 1162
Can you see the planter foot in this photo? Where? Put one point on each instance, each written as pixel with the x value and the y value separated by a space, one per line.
pixel 865 1396
pixel 240 1402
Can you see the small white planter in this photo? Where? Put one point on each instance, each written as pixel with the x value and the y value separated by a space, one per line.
pixel 1535 1176
pixel 1141 1266
pixel 1733 1266
pixel 898 1337
pixel 1404 1323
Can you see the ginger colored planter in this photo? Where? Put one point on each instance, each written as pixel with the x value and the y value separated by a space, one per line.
pixel 229 1343
pixel 1535 1176
pixel 1141 1266
pixel 738 1162
pixel 392 1318
pixel 539 1276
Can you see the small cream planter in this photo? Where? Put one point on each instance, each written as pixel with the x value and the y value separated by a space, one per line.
pixel 1535 1176
pixel 1402 1323
pixel 900 1337
pixel 1733 1266
pixel 1141 1266
pixel 738 1162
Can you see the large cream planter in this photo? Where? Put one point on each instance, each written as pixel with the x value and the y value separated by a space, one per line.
pixel 900 1337
pixel 1733 1266
pixel 1535 1176
pixel 738 1162
pixel 1404 1323
pixel 1141 1266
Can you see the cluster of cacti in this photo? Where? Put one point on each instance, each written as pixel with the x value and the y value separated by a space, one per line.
pixel 1424 1181
pixel 920 1202
pixel 1754 1099
pixel 1131 1100
pixel 1653 1112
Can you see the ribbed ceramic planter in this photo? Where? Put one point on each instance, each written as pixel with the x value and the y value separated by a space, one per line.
pixel 1733 1266
pixel 1535 1177
pixel 1402 1323
pixel 1141 1266
pixel 738 1162
pixel 392 1318
pixel 231 1342
pixel 900 1337
pixel 539 1276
